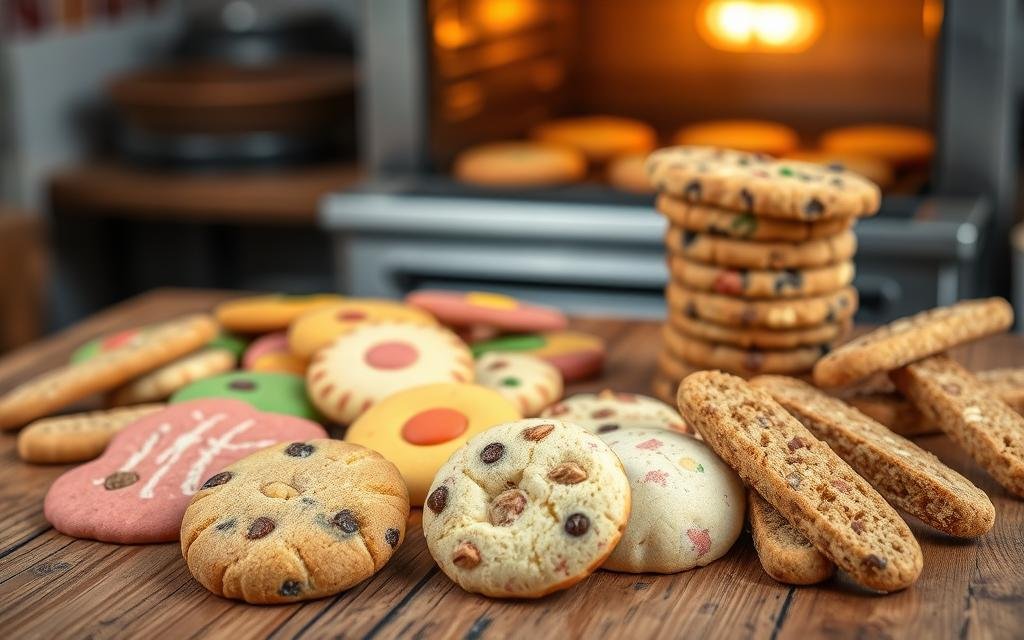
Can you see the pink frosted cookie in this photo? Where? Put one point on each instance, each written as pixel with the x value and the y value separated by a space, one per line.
pixel 271 353
pixel 376 359
pixel 529 382
pixel 463 309
pixel 577 355
pixel 688 505
pixel 137 491
pixel 609 411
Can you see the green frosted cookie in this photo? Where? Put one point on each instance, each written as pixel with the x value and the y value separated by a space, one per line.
pixel 267 391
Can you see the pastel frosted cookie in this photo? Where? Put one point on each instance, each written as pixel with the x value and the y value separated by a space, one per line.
pixel 461 309
pixel 283 393
pixel 526 508
pixel 757 136
pixel 295 521
pixel 610 411
pixel 161 383
pixel 599 138
pixel 528 381
pixel 76 437
pixel 688 505
pixel 314 331
pixel 137 491
pixel 263 314
pixel 519 164
pixel 377 359
pixel 577 355
pixel 419 428
pixel 270 352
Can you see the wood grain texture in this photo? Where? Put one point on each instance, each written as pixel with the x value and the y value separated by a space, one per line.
pixel 54 586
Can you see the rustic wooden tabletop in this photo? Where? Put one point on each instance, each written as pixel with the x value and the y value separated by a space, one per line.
pixel 52 586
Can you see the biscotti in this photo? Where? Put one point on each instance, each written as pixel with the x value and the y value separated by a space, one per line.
pixel 785 555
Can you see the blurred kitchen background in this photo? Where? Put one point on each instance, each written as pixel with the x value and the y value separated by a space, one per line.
pixel 309 145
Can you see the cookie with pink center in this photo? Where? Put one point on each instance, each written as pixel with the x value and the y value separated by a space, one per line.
pixel 270 352
pixel 138 490
pixel 577 355
pixel 531 383
pixel 610 411
pixel 688 505
pixel 466 309
pixel 377 359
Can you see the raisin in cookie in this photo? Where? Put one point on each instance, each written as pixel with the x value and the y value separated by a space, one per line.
pixel 526 508
pixel 295 521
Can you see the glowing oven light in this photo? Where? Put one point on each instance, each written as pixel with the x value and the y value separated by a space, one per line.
pixel 784 26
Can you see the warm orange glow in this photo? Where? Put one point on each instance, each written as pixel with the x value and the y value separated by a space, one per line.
pixel 784 26
pixel 463 100
pixel 500 16
pixel 450 32
pixel 931 17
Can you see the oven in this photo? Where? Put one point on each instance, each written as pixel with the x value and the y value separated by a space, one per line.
pixel 442 76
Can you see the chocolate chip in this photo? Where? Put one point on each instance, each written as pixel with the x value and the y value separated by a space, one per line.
pixel 391 537
pixel 753 361
pixel 875 562
pixel 492 453
pixel 825 348
pixel 691 310
pixel 688 237
pixel 260 528
pixel 290 588
pixel 541 431
pixel 814 207
pixel 120 480
pixel 789 279
pixel 831 316
pixel 748 199
pixel 438 499
pixel 219 479
pixel 795 443
pixel 606 428
pixel 577 524
pixel 227 525
pixel 836 182
pixel 692 192
pixel 345 521
pixel 299 450
pixel 242 385
pixel 836 167
pixel 857 526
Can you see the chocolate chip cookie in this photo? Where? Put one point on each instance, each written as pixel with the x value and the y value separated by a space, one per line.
pixel 761 283
pixel 766 314
pixel 743 362
pixel 756 338
pixel 745 226
pixel 741 254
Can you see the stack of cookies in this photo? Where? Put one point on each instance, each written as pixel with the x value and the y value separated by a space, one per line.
pixel 760 253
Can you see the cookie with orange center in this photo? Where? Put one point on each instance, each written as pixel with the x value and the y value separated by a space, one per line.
pixel 271 353
pixel 377 359
pixel 315 330
pixel 263 314
pixel 472 308
pixel 418 429
pixel 609 411
pixel 576 355
pixel 531 383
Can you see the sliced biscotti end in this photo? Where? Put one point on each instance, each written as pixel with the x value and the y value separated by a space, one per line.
pixel 785 555
pixel 818 493
pixel 1007 383
pixel 988 429
pixel 913 338
pixel 906 475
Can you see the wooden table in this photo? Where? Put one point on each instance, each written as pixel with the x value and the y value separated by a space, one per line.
pixel 54 586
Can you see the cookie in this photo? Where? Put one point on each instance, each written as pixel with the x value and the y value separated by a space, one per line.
pixel 818 493
pixel 295 521
pixel 875 169
pixel 688 506
pixel 758 283
pixel 894 411
pixel 77 437
pixel 830 308
pixel 263 314
pixel 137 491
pixel 222 341
pixel 743 254
pixel 160 383
pixel 757 136
pixel 283 393
pixel 526 508
pixel 664 387
pixel 1007 383
pixel 785 554
pixel 743 362
pixel 755 338
pixel 576 355
pixel 758 184
pixel 376 359
pixel 898 145
pixel 270 352
pixel 610 411
pixel 525 380
pixel 909 339
pixel 519 164
pixel 315 330
pixel 951 398
pixel 599 138
pixel 724 223
pixel 464 309
pixel 674 369
pixel 60 387
pixel 627 173
pixel 419 428
pixel 907 476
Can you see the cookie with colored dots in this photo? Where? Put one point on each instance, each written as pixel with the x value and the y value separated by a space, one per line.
pixel 529 382
pixel 577 355
pixel 137 491
pixel 315 330
pixel 745 226
pixel 462 309
pixel 761 283
pixel 377 359
pixel 296 521
pixel 263 314
pixel 610 411
pixel 419 428
pixel 526 508
pixel 742 254
pixel 271 353
pixel 688 505
pixel 272 392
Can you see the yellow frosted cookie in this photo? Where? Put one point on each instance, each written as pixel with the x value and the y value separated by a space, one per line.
pixel 262 314
pixel 317 329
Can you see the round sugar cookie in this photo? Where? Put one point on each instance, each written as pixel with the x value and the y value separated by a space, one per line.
pixel 627 173
pixel 462 309
pixel 263 314
pixel 610 411
pixel 270 352
pixel 899 145
pixel 317 329
pixel 418 429
pixel 526 508
pixel 758 136
pixel 576 355
pixel 599 138
pixel 520 164
pixel 528 381
pixel 283 393
pixel 377 359
pixel 688 505
pixel 296 521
